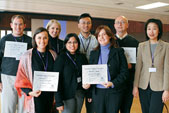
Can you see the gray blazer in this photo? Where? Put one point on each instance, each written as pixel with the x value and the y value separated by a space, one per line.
pixel 158 80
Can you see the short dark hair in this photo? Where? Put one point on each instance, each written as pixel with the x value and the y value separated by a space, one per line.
pixel 159 24
pixel 84 15
pixel 39 30
pixel 68 36
pixel 108 32
pixel 18 16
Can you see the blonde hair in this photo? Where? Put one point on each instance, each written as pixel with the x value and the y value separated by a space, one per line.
pixel 52 22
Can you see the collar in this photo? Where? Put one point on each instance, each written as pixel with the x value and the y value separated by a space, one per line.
pixel 105 47
pixel 122 36
pixel 80 35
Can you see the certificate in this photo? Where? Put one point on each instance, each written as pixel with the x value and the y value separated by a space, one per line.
pixel 130 53
pixel 45 81
pixel 94 74
pixel 15 49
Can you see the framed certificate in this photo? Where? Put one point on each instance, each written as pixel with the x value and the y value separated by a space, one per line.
pixel 94 74
pixel 130 53
pixel 45 81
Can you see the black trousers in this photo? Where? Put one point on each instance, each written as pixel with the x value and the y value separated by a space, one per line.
pixel 44 103
pixel 127 100
pixel 151 101
pixel 89 106
pixel 107 101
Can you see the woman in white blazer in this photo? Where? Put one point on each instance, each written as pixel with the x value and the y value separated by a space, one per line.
pixel 152 69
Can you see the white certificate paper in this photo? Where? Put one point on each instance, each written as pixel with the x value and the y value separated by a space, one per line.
pixel 15 49
pixel 45 81
pixel 94 74
pixel 130 53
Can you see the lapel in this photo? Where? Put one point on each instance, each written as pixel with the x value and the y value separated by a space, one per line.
pixel 111 54
pixel 96 57
pixel 148 50
pixel 158 48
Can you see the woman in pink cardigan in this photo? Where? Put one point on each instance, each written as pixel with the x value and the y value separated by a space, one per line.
pixel 40 58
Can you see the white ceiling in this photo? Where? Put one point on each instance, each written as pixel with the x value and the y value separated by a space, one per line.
pixel 97 8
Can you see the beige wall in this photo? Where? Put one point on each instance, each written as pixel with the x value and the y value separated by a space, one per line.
pixel 72 27
pixel 35 23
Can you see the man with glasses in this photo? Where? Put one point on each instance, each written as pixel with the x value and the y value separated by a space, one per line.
pixel 87 40
pixel 87 43
pixel 124 40
pixel 9 60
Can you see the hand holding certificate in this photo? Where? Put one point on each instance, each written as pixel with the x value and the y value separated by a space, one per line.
pixel 94 74
pixel 45 81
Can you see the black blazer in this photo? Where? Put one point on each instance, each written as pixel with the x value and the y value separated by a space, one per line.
pixel 68 74
pixel 117 65
pixel 56 44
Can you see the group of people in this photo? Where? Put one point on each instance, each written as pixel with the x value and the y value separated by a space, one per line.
pixel 149 78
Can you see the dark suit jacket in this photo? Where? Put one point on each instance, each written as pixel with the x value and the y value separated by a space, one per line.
pixel 117 65
pixel 68 74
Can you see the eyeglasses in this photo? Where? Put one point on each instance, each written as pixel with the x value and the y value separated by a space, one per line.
pixel 84 23
pixel 120 22
pixel 75 42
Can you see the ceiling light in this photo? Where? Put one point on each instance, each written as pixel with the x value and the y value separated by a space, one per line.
pixel 153 5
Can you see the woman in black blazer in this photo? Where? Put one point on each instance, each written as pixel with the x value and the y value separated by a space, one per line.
pixel 108 96
pixel 69 98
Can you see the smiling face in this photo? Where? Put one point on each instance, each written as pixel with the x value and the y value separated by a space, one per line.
pixel 152 31
pixel 103 38
pixel 41 40
pixel 72 45
pixel 54 30
pixel 121 24
pixel 18 27
pixel 85 25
